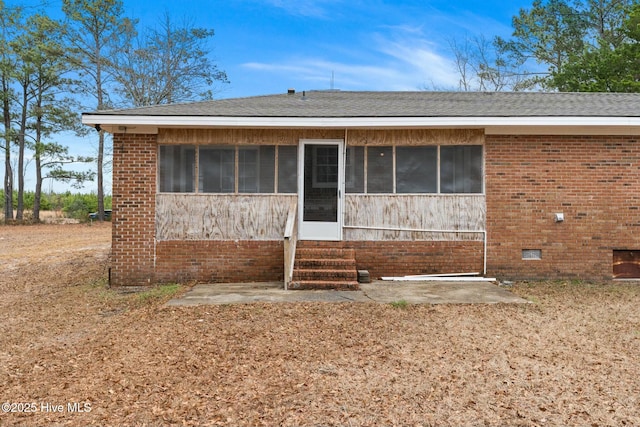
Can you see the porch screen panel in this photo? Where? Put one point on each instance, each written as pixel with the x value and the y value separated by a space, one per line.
pixel 217 170
pixel 256 169
pixel 461 169
pixel 267 172
pixel 354 170
pixel 177 169
pixel 379 170
pixel 287 169
pixel 417 169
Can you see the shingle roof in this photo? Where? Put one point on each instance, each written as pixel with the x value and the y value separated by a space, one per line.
pixel 404 104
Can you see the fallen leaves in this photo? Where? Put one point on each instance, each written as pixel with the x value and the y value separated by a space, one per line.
pixel 570 359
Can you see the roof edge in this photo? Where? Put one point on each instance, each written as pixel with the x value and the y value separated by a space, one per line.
pixel 356 122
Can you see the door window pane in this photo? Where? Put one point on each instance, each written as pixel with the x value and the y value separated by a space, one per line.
pixel 325 166
pixel 417 169
pixel 177 168
pixel 461 169
pixel 217 169
pixel 379 170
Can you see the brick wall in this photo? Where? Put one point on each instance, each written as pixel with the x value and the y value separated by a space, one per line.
pixel 220 261
pixel 133 221
pixel 594 181
pixel 258 260
pixel 401 258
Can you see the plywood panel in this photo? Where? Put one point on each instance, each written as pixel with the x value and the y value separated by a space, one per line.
pixel 195 136
pixel 292 136
pixel 221 217
pixel 416 137
pixel 434 212
pixel 244 136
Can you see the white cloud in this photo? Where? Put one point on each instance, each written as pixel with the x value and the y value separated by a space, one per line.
pixel 307 8
pixel 419 58
pixel 402 60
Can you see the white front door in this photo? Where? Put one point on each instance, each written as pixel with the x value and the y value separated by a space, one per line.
pixel 320 189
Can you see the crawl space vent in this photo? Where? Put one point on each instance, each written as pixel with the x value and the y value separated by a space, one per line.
pixel 528 254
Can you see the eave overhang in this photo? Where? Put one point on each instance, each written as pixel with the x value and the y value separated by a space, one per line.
pixel 537 125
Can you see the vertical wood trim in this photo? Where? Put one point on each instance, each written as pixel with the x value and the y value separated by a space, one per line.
pixel 236 172
pixel 196 168
pixel 276 169
pixel 366 167
pixel 393 167
pixel 438 169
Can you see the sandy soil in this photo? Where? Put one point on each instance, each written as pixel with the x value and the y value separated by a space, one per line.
pixel 73 352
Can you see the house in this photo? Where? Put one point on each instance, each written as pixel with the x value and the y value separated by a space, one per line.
pixel 512 185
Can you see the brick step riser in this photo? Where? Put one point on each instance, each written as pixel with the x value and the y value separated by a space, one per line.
pixel 325 254
pixel 324 285
pixel 325 264
pixel 325 268
pixel 322 275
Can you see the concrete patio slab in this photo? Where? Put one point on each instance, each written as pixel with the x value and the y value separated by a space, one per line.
pixel 423 292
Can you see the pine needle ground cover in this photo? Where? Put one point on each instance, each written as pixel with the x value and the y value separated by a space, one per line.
pixel 74 352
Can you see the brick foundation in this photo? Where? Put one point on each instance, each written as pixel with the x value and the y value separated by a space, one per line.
pixel 260 261
pixel 220 261
pixel 400 258
pixel 594 181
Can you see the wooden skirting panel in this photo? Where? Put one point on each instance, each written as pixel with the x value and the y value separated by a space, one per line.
pixel 263 217
pixel 221 217
pixel 425 212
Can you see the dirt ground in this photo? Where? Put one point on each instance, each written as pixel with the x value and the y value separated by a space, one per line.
pixel 73 352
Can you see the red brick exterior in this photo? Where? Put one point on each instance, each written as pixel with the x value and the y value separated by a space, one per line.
pixel 134 209
pixel 259 260
pixel 220 261
pixel 593 180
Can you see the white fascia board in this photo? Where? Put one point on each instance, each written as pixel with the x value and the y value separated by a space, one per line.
pixel 500 124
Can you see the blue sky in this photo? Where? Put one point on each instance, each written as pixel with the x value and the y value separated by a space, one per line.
pixel 269 46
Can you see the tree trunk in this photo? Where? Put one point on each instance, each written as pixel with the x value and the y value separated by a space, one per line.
pixel 20 206
pixel 38 194
pixel 21 148
pixel 98 54
pixel 8 170
pixel 8 181
pixel 38 157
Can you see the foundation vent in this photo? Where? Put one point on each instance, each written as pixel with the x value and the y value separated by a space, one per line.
pixel 531 254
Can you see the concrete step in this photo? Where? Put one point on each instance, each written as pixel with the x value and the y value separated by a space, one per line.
pixel 324 285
